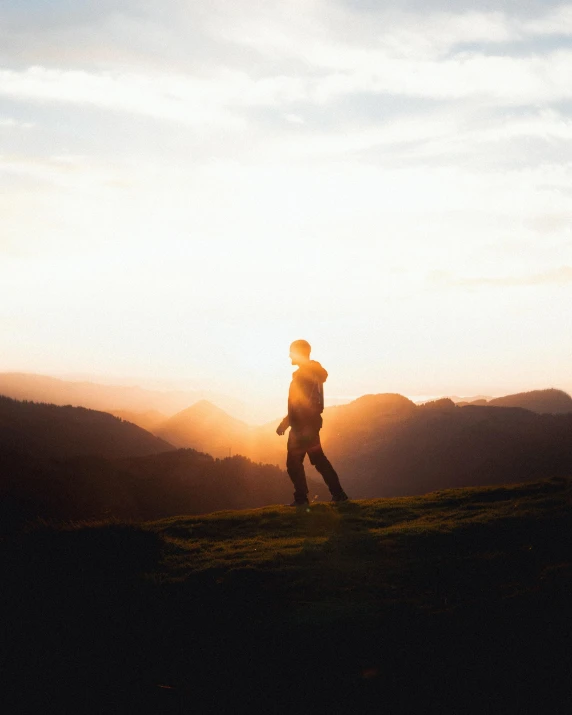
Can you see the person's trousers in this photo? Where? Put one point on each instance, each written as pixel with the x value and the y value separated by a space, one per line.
pixel 302 442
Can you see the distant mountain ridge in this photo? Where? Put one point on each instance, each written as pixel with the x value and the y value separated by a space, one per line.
pixel 47 430
pixel 207 428
pixel 381 445
pixel 149 420
pixel 212 429
pixel 348 429
pixel 549 401
pixel 108 398
pixel 63 462
pixel 442 445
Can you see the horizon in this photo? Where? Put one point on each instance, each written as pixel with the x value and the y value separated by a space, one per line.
pixel 253 413
pixel 189 188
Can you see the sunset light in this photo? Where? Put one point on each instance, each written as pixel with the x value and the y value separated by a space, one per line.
pixel 285 357
pixel 185 189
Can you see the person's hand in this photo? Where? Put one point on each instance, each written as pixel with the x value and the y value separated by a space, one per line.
pixel 280 430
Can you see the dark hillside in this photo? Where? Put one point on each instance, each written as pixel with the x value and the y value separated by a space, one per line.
pixel 54 431
pixel 381 445
pixel 440 445
pixel 385 445
pixel 149 419
pixel 369 414
pixel 192 482
pixel 541 401
pixel 455 602
pixel 135 488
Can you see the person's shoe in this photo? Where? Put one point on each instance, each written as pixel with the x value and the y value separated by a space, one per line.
pixel 300 503
pixel 340 498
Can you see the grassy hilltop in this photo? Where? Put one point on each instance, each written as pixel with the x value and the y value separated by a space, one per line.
pixel 456 601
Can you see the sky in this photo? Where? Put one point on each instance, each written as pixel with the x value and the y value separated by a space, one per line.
pixel 187 187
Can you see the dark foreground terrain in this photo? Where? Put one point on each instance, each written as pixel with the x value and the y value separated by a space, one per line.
pixel 457 601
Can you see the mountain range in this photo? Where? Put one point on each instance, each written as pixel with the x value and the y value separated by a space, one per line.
pixel 440 445
pixel 386 445
pixel 109 398
pixel 56 431
pixel 347 430
pixel 542 401
pixel 549 401
pixel 72 463
pixel 205 427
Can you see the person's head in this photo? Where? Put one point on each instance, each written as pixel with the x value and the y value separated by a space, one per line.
pixel 300 352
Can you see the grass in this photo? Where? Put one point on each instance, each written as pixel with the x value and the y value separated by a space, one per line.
pixel 428 550
pixel 456 601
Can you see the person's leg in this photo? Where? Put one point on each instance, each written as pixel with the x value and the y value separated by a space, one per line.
pixel 324 467
pixel 295 466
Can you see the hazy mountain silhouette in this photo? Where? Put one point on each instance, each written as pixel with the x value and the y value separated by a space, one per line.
pixel 444 403
pixel 208 428
pixel 370 409
pixel 480 401
pixel 54 431
pixel 387 445
pixel 440 445
pixel 148 420
pixel 382 445
pixel 62 462
pixel 205 427
pixel 542 401
pixel 475 399
pixel 549 401
pixel 110 398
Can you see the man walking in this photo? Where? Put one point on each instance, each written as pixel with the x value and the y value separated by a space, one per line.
pixel 305 407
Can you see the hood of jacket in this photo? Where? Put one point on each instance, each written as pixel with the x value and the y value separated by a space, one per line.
pixel 311 370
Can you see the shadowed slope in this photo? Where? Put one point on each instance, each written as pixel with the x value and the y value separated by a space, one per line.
pixel 459 600
pixel 440 445
pixel 148 420
pixel 541 401
pixel 135 488
pixel 53 431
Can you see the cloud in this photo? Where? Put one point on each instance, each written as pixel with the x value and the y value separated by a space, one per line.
pixel 168 97
pixel 196 65
pixel 557 21
pixel 10 122
pixel 223 97
pixel 294 118
pixel 555 276
pixel 419 122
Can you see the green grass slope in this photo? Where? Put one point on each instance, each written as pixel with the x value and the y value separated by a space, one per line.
pixel 351 560
pixel 456 601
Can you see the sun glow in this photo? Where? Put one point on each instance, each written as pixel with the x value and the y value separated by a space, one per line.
pixel 399 200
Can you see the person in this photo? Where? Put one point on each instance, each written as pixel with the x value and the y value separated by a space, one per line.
pixel 305 407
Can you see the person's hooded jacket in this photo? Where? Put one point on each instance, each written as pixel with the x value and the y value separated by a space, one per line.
pixel 306 397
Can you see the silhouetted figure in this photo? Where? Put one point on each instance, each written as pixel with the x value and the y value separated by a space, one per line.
pixel 305 407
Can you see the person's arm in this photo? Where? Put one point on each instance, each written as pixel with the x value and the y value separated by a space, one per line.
pixel 283 426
